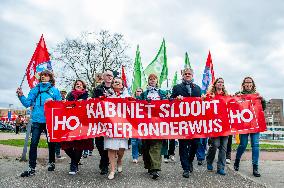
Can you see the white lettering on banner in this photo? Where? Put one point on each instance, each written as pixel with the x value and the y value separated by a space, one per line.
pixel 66 123
pixel 110 109
pixel 118 130
pixel 166 112
pixel 149 106
pixel 240 116
pixel 179 128
pixel 184 109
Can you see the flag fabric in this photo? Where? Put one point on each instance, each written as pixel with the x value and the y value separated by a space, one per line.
pixel 208 74
pixel 123 76
pixel 39 62
pixel 174 80
pixel 139 80
pixel 159 65
pixel 186 61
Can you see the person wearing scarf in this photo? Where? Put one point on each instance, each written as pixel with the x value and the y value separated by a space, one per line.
pixel 187 147
pixel 152 147
pixel 75 148
pixel 248 87
pixel 116 146
pixel 220 143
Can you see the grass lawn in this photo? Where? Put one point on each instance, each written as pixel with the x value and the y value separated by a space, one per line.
pixel 262 146
pixel 20 142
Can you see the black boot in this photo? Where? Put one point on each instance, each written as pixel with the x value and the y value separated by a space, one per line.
pixel 237 164
pixel 255 171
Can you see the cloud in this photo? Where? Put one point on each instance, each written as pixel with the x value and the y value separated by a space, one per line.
pixel 244 37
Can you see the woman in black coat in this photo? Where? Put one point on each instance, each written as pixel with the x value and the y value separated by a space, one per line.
pixel 75 148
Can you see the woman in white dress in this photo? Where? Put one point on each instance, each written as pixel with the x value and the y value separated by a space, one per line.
pixel 116 146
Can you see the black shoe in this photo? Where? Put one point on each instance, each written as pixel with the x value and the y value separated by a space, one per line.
pixel 51 167
pixel 150 172
pixel 190 167
pixel 104 171
pixel 85 155
pixel 200 163
pixel 237 164
pixel 155 175
pixel 255 171
pixel 29 172
pixel 185 174
pixel 73 169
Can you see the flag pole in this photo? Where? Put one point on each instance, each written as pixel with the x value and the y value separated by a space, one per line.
pixel 23 80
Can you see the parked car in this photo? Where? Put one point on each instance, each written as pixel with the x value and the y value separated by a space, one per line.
pixel 5 127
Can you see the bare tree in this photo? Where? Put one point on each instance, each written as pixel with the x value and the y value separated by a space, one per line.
pixel 89 54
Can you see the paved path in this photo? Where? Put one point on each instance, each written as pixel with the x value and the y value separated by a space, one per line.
pixel 271 168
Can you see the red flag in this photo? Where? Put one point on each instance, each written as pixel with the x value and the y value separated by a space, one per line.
pixel 210 65
pixel 39 62
pixel 123 76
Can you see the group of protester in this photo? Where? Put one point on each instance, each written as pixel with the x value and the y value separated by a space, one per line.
pixel 112 150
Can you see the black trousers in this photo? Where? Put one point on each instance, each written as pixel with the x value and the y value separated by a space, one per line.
pixel 187 151
pixel 103 153
pixel 74 154
pixel 17 129
pixel 229 147
pixel 171 150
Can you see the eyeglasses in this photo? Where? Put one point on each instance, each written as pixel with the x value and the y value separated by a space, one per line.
pixel 139 91
pixel 187 74
pixel 117 82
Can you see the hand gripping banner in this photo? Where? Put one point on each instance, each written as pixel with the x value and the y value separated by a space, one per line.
pixel 163 119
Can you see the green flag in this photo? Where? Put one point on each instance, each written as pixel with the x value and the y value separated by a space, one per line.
pixel 175 79
pixel 186 62
pixel 139 80
pixel 159 65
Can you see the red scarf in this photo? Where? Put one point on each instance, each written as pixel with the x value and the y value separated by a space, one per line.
pixel 77 93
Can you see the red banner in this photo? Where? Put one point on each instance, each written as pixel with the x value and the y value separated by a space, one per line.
pixel 163 119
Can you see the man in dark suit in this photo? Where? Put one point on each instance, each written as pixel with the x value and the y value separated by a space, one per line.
pixel 187 147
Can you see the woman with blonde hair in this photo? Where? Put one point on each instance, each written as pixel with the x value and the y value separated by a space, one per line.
pixel 220 142
pixel 248 87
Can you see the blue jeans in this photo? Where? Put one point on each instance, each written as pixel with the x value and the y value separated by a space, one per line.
pixel 136 143
pixel 200 154
pixel 254 138
pixel 37 129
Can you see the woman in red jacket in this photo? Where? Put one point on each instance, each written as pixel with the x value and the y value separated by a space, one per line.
pixel 75 148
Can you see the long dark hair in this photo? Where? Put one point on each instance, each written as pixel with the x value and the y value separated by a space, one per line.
pixel 253 84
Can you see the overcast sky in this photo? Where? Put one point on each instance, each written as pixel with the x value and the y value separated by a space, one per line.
pixel 244 37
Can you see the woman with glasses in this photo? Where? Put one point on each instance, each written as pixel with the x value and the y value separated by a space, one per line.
pixel 116 146
pixel 248 87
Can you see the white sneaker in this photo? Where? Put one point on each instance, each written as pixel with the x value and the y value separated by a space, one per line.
pixel 228 161
pixel 111 175
pixel 172 157
pixel 119 168
pixel 166 160
pixel 135 161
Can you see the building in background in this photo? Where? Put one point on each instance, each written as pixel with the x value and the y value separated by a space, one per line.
pixel 274 120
